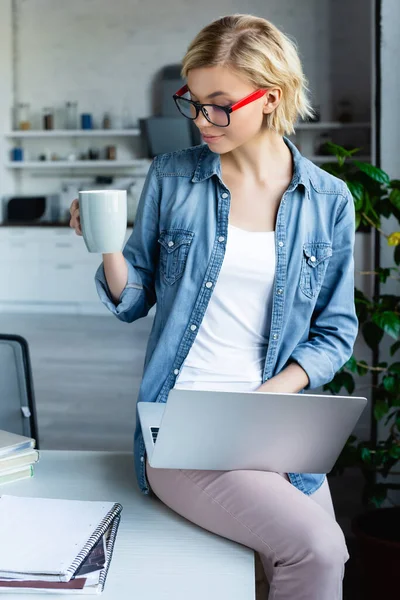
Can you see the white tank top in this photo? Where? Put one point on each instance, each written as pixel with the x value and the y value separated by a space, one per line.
pixel 231 343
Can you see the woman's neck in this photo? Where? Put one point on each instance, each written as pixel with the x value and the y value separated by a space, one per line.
pixel 264 158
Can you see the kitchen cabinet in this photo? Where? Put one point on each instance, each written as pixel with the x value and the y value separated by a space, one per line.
pixel 47 269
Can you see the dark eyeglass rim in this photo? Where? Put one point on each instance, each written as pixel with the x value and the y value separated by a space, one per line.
pixel 202 107
pixel 227 109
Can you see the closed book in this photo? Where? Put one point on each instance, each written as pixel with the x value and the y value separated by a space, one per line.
pixel 58 536
pixel 12 442
pixel 16 461
pixel 16 474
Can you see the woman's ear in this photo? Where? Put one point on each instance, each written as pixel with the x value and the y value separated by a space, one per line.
pixel 271 100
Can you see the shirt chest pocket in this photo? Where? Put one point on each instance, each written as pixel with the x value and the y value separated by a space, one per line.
pixel 315 260
pixel 174 249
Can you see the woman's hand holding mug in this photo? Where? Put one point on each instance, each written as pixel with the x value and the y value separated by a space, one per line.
pixel 75 221
pixel 101 218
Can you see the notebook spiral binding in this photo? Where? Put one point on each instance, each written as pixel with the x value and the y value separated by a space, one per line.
pixel 110 549
pixel 94 538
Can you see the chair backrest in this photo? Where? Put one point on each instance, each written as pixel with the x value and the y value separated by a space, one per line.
pixel 17 400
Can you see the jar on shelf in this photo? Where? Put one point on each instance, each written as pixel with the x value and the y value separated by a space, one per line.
pixel 71 115
pixel 23 120
pixel 48 118
pixel 17 154
pixel 106 121
pixel 111 153
pixel 320 144
pixel 345 111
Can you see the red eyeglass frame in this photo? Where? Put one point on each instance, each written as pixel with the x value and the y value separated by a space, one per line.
pixel 228 109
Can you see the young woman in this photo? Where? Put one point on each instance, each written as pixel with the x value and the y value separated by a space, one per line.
pixel 247 249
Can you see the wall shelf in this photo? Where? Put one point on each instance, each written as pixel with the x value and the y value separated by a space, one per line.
pixel 332 158
pixel 77 164
pixel 71 133
pixel 332 125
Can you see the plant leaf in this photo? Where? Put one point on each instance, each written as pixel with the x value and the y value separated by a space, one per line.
pixel 362 370
pixel 385 208
pixel 357 191
pixel 395 452
pixel 339 151
pixel 381 408
pixel 395 368
pixel 397 255
pixel 351 364
pixel 373 172
pixel 390 383
pixel 389 322
pixel 348 382
pixel 394 198
pixel 366 455
pixel 394 348
pixel 372 334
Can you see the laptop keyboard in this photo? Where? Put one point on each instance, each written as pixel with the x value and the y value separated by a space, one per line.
pixel 154 433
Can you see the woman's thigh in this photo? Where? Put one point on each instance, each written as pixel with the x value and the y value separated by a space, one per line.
pixel 260 509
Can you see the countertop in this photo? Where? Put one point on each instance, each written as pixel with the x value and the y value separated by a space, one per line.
pixel 41 224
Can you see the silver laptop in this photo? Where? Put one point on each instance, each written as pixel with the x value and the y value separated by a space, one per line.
pixel 228 430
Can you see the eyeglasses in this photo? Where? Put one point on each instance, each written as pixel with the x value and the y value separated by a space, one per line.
pixel 215 114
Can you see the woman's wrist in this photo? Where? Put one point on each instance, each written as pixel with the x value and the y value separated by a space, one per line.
pixel 291 380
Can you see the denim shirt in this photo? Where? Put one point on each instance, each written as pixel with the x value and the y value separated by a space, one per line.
pixel 175 253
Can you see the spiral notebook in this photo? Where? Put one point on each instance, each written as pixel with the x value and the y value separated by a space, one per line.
pixel 47 539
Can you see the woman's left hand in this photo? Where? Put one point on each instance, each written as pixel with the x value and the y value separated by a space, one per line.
pixel 291 380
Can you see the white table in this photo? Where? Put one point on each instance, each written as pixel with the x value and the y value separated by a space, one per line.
pixel 158 554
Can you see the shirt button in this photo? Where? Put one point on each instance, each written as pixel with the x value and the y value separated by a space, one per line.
pixel 280 244
pixel 224 195
pixel 221 238
pixel 280 291
pixel 275 336
pixel 176 372
pixel 170 244
pixel 142 459
pixel 208 284
pixel 193 327
pixel 313 259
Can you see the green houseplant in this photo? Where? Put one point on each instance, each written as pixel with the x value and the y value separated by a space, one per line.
pixel 377 530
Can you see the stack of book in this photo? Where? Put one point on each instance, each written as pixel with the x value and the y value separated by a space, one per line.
pixel 17 457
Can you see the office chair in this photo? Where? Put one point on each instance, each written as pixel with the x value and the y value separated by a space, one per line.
pixel 17 400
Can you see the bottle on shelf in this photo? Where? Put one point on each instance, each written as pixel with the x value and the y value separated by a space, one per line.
pixel 345 111
pixel 86 121
pixel 111 153
pixel 23 121
pixel 48 118
pixel 71 115
pixel 107 121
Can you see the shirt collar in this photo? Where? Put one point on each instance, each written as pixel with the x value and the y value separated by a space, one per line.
pixel 209 164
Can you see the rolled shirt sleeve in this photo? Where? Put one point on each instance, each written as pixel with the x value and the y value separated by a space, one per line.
pixel 141 256
pixel 334 323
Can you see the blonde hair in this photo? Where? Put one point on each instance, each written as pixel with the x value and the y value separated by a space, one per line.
pixel 257 49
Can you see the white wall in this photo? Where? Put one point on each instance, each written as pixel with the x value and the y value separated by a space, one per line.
pixel 106 54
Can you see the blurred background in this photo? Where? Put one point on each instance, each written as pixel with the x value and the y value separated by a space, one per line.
pixel 86 101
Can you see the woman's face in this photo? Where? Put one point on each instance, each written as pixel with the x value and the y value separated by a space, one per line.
pixel 219 85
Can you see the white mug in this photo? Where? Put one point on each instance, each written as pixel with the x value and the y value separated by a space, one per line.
pixel 103 215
